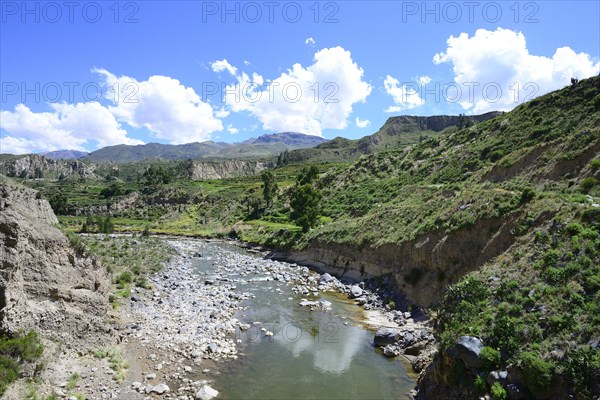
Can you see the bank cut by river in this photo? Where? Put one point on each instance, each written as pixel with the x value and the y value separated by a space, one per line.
pixel 225 322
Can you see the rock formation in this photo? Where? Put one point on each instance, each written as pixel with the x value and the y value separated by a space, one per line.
pixel 45 284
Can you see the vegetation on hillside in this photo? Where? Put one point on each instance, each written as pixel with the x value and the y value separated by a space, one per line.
pixel 15 350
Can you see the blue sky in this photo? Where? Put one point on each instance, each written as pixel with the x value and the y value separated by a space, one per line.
pixel 85 75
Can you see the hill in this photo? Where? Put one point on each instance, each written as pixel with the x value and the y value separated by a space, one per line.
pixel 265 146
pixel 397 132
pixel 292 139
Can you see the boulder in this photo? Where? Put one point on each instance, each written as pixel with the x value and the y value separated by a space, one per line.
pixel 467 348
pixel 385 336
pixel 161 388
pixel 206 393
pixel 355 291
pixel 326 278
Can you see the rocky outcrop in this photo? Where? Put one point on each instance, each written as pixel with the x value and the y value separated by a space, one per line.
pixel 422 268
pixel 436 123
pixel 227 169
pixel 36 166
pixel 45 284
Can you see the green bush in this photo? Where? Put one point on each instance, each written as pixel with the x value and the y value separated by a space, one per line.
pixel 537 372
pixel 9 371
pixel 595 164
pixel 588 184
pixel 124 277
pixel 527 195
pixel 498 392
pixel 490 358
pixel 15 349
pixel 480 384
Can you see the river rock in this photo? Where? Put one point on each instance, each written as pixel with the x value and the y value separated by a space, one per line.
pixel 497 376
pixel 206 393
pixel 326 278
pixel 391 351
pixel 467 348
pixel 386 336
pixel 213 348
pixel 161 388
pixel 355 291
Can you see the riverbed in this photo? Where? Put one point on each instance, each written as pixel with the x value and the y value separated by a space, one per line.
pixel 289 351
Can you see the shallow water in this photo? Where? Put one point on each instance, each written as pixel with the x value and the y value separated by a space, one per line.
pixel 312 355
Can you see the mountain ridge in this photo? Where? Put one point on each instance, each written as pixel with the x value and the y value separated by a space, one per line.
pixel 264 146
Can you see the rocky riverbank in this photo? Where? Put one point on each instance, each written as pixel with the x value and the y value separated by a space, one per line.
pixel 170 340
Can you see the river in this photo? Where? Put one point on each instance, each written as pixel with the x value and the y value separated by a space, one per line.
pixel 318 354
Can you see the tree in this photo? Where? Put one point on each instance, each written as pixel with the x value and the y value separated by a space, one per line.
pixel 156 175
pixel 305 204
pixel 114 189
pixel 105 225
pixel 307 175
pixel 59 203
pixel 269 187
pixel 283 158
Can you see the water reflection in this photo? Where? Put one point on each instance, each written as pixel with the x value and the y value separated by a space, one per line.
pixel 332 345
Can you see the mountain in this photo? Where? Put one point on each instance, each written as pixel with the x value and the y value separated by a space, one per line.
pixel 397 132
pixel 292 139
pixel 64 154
pixel 264 146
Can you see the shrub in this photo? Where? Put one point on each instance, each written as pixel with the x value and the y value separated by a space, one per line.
pixel 489 357
pixel 587 184
pixel 14 349
pixel 480 384
pixel 124 277
pixel 537 372
pixel 595 164
pixel 9 371
pixel 527 195
pixel 498 392
pixel 76 243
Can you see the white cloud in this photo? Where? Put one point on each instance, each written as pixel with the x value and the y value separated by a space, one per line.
pixel 68 126
pixel 232 130
pixel 310 41
pixel 500 59
pixel 222 65
pixel 307 100
pixel 222 113
pixel 362 123
pixel 162 105
pixel 406 95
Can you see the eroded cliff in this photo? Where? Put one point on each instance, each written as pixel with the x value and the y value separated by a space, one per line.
pixel 45 284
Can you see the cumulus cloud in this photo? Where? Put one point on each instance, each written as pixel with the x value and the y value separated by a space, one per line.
pixel 310 41
pixel 67 126
pixel 500 59
pixel 222 113
pixel 232 130
pixel 406 95
pixel 306 99
pixel 223 65
pixel 162 105
pixel 362 123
